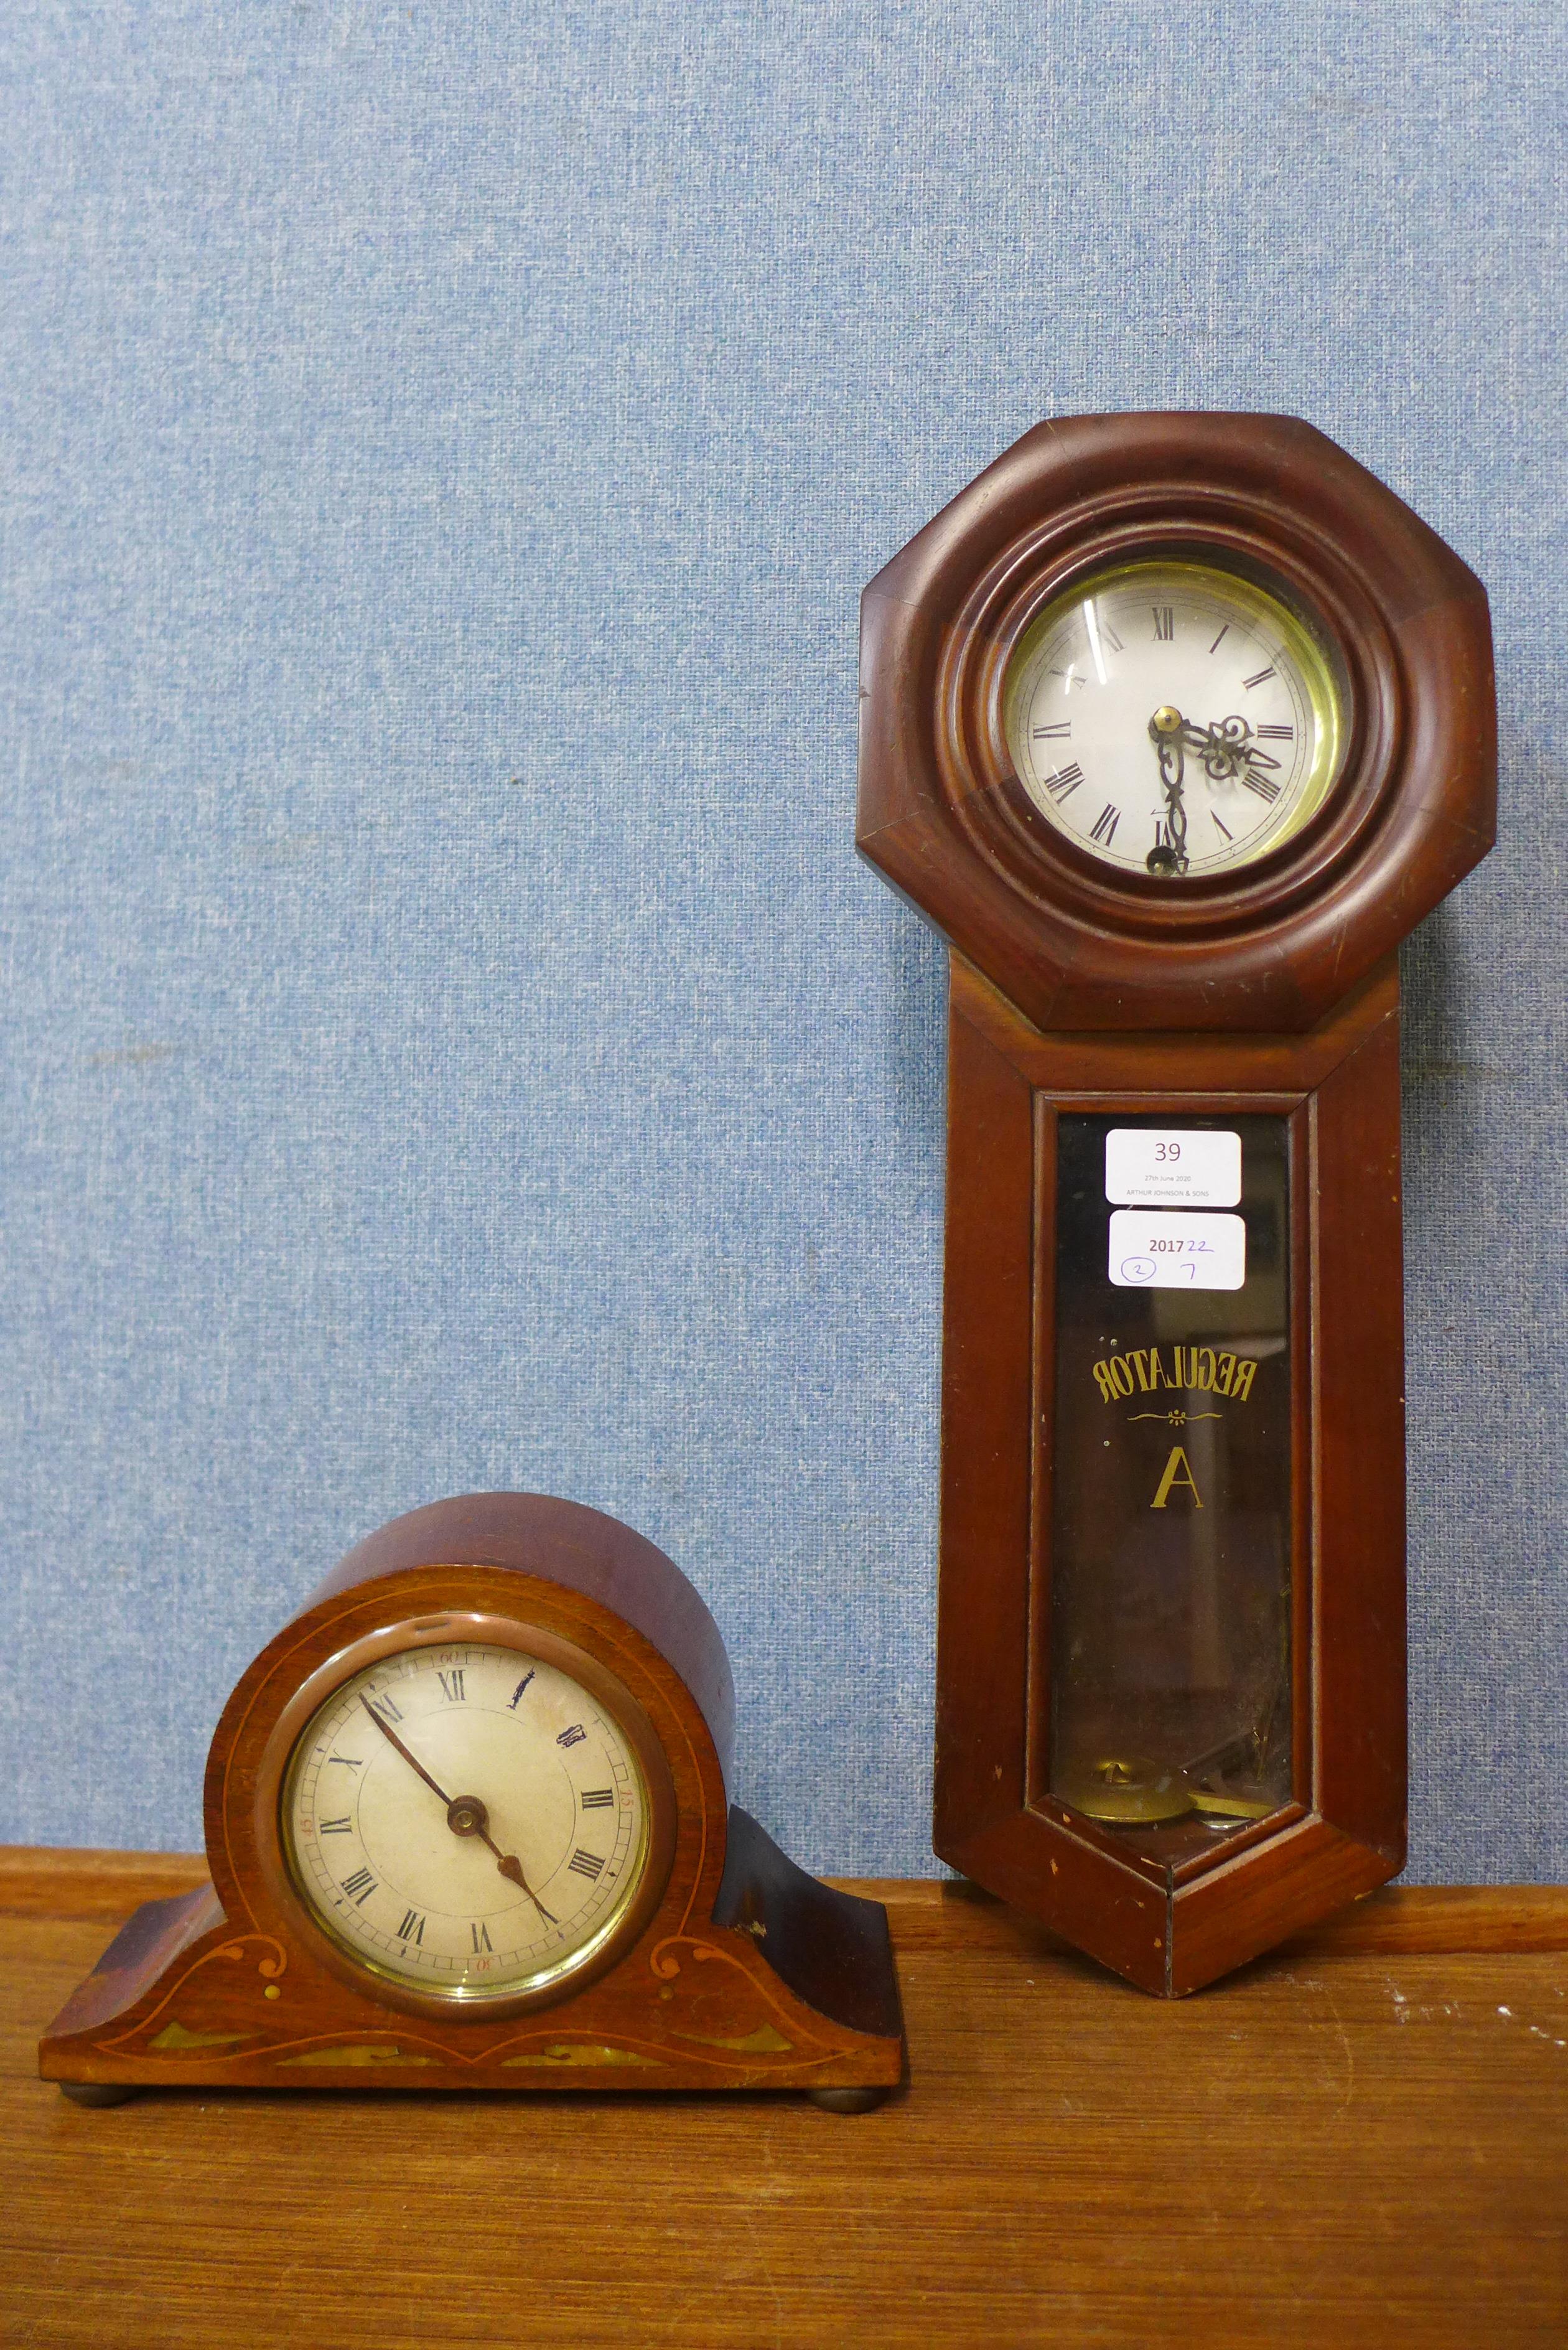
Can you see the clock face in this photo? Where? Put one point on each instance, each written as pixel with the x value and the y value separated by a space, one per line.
pixel 1172 719
pixel 466 1820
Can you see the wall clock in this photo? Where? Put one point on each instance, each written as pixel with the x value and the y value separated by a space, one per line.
pixel 467 1827
pixel 1174 726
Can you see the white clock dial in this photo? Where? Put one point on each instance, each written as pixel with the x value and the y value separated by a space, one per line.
pixel 1172 719
pixel 467 1820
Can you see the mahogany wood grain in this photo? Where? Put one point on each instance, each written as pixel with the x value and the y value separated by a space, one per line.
pixel 1353 2143
pixel 583 1550
pixel 983 1649
pixel 1358 1419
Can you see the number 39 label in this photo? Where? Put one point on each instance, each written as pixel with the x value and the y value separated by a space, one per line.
pixel 1148 1167
pixel 1176 1252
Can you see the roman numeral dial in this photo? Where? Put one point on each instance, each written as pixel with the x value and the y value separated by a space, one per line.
pixel 468 1820
pixel 1170 718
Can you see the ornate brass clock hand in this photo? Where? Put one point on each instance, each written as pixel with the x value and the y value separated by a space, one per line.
pixel 465 1815
pixel 1227 747
pixel 1168 731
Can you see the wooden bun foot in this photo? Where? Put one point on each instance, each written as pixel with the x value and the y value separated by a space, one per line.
pixel 847 2101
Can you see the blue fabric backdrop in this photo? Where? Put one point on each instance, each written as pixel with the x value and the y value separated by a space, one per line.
pixel 450 1041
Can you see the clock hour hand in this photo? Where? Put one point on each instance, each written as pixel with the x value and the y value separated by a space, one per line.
pixel 1226 748
pixel 1168 731
pixel 465 1815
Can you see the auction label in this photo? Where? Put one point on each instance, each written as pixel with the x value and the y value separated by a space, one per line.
pixel 1176 1252
pixel 1153 1167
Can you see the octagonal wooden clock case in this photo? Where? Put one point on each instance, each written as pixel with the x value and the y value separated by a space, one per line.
pixel 1174 726
pixel 467 1827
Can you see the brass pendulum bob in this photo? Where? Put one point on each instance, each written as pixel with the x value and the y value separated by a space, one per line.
pixel 1128 1792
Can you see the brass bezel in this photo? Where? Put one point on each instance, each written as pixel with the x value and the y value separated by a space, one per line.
pixel 1321 667
pixel 459 1627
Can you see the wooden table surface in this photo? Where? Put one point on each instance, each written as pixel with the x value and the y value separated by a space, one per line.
pixel 1361 2140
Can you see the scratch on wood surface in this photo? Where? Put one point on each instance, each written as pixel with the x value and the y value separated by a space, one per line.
pixel 765 2269
pixel 768 2148
pixel 1345 2103
pixel 758 2199
pixel 1537 2032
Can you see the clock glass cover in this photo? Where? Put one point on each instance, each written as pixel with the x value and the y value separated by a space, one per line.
pixel 1170 1626
pixel 1171 718
pixel 467 1821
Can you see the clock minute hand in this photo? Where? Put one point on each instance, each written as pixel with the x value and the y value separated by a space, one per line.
pixel 1168 731
pixel 390 1735
pixel 465 1815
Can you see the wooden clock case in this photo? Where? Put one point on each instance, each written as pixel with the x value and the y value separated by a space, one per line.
pixel 1272 989
pixel 732 1969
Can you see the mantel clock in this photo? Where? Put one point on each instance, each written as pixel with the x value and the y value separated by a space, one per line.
pixel 468 1829
pixel 1174 726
